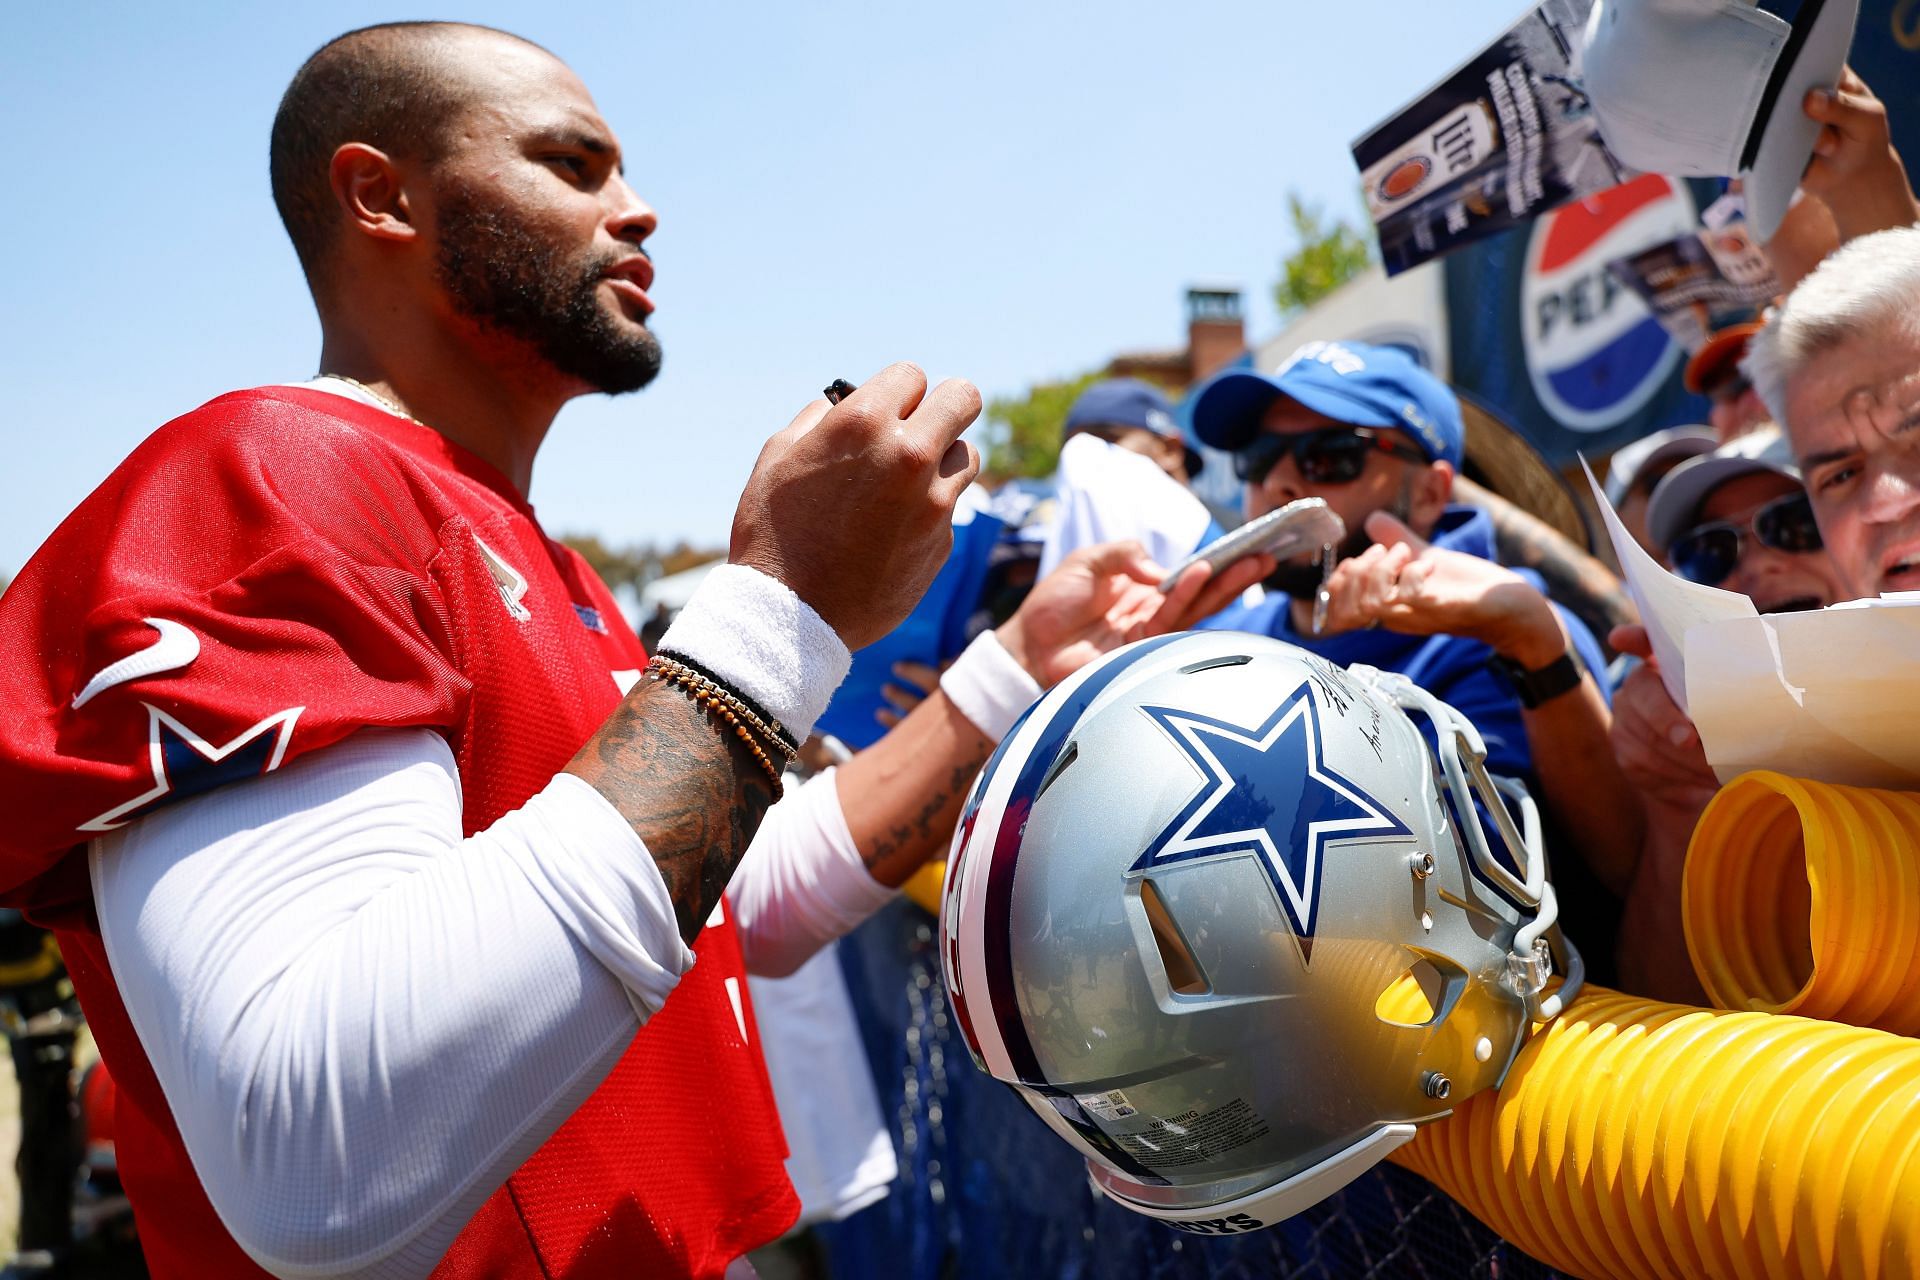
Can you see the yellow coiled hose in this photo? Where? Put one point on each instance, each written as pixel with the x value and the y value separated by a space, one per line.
pixel 1634 1138
pixel 923 886
pixel 1803 897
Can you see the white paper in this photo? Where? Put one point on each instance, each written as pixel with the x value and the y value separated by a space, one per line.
pixel 1891 600
pixel 1108 494
pixel 1831 694
pixel 1669 605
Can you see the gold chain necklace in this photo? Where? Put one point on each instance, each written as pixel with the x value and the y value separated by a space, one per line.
pixel 386 402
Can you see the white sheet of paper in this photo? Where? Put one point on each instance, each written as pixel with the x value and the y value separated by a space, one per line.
pixel 1669 605
pixel 1827 694
pixel 1108 493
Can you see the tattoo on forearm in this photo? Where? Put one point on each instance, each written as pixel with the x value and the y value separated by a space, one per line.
pixel 1576 578
pixel 924 833
pixel 688 788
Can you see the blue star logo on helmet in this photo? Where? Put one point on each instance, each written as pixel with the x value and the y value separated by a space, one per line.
pixel 1266 791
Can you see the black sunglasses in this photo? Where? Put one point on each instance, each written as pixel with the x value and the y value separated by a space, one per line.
pixel 1331 455
pixel 1708 553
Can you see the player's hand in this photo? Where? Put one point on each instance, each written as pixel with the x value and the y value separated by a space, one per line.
pixel 1102 597
pixel 1658 748
pixel 851 506
pixel 1405 584
pixel 1854 170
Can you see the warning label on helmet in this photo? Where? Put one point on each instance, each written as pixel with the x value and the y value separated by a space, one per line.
pixel 1111 1105
pixel 1194 1137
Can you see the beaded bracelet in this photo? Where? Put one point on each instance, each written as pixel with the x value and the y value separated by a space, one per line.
pixel 758 716
pixel 773 732
pixel 717 701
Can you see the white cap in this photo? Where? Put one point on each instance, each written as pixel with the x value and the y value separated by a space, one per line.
pixel 1713 88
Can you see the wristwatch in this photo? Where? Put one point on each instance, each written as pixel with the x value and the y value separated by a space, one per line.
pixel 1534 688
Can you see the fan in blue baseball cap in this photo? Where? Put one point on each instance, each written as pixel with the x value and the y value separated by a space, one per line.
pixel 1136 416
pixel 1417 589
pixel 1361 426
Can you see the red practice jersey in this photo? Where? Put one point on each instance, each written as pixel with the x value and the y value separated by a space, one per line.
pixel 261 578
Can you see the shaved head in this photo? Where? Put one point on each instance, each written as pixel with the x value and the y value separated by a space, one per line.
pixel 400 87
pixel 447 184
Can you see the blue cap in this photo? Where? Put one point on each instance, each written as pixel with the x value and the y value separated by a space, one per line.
pixel 1351 382
pixel 1129 402
pixel 1123 402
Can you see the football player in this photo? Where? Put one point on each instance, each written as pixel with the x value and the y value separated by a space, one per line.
pixel 370 834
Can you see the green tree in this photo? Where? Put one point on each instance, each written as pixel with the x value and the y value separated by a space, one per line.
pixel 1023 432
pixel 1328 253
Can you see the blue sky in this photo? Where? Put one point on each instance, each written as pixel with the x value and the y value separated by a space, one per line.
pixel 998 191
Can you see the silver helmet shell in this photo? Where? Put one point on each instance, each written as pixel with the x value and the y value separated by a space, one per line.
pixel 1179 892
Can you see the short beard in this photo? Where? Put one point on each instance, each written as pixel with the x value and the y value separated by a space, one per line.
pixel 1301 578
pixel 498 272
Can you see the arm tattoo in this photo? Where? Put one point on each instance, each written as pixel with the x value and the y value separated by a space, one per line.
pixel 687 787
pixel 926 831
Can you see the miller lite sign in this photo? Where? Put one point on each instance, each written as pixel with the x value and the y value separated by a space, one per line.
pixel 1500 141
pixel 1595 353
pixel 1460 142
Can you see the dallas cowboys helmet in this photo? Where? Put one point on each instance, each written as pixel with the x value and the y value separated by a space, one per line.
pixel 1214 912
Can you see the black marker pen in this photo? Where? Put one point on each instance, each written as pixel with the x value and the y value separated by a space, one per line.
pixel 837 390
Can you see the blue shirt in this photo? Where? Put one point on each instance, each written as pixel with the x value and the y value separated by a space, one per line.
pixel 1454 669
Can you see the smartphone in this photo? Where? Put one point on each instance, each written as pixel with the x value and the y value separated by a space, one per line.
pixel 1306 525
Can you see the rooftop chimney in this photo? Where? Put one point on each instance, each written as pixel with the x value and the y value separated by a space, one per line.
pixel 1216 329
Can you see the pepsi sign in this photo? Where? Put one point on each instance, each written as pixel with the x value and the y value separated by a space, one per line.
pixel 1595 354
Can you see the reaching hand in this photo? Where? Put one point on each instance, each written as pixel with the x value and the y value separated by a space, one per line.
pixel 1105 596
pixel 1658 748
pixel 851 506
pixel 1405 584
pixel 1855 171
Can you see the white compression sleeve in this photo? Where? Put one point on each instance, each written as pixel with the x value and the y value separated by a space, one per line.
pixel 362 1022
pixel 802 883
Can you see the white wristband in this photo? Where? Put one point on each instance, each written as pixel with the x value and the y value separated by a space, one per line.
pixel 987 686
pixel 755 634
